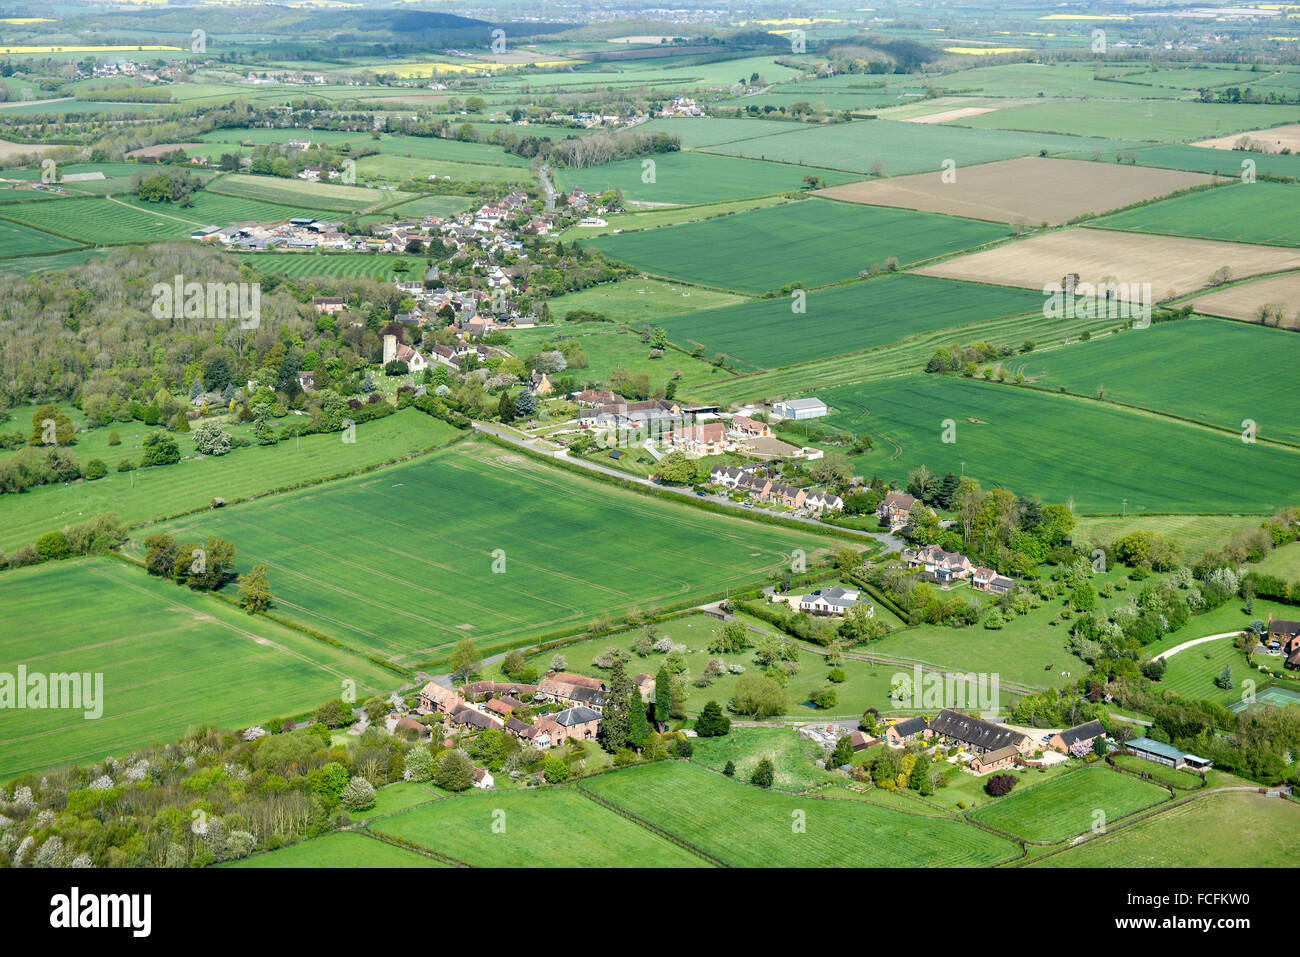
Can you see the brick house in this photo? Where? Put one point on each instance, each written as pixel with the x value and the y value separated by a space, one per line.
pixel 939 566
pixel 894 507
pixel 986 579
pixel 434 697
pixel 1088 732
pixel 578 722
pixel 902 732
pixel 995 760
pixel 976 734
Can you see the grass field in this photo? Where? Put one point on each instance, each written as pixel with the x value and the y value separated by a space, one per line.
pixel 339 849
pixel 767 333
pixel 17 240
pixel 1168 122
pixel 1066 805
pixel 1224 162
pixel 900 148
pixel 792 757
pixel 291 192
pixel 1195 534
pixel 636 301
pixel 440 206
pixel 747 826
pixel 1283 562
pixel 403 168
pixel 656 218
pixel 548 827
pixel 691 177
pixel 1065 450
pixel 150 494
pixel 417 573
pixel 70 617
pixel 608 348
pixel 814 242
pixel 1243 213
pixel 334 264
pixel 1177 367
pixel 1218 830
pixel 31 265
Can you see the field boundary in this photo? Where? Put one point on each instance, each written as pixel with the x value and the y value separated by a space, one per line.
pixel 652 828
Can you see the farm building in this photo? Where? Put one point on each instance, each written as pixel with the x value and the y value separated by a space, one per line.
pixel 1150 750
pixel 861 741
pixel 1064 740
pixel 995 760
pixel 975 734
pixel 800 409
pixel 901 732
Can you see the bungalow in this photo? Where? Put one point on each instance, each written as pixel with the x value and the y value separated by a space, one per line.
pixel 1087 733
pixel 830 601
pixel 938 565
pixel 471 718
pixel 483 778
pixel 1168 755
pixel 977 735
pixel 894 508
pixel 578 722
pixel 434 697
pixel 986 579
pixel 901 732
pixel 995 760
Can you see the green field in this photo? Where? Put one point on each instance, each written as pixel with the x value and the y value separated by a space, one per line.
pixel 1168 121
pixel 1178 368
pixel 609 347
pixel 18 240
pixel 332 264
pixel 403 168
pixel 768 333
pixel 814 242
pixel 747 826
pixel 686 178
pixel 901 148
pixel 151 494
pixel 1243 213
pixel 1201 159
pixel 440 206
pixel 1283 562
pixel 552 827
pixel 416 575
pixel 339 849
pixel 1062 449
pixel 31 265
pixel 1218 830
pixel 1065 806
pixel 638 300
pixel 291 192
pixel 654 218
pixel 186 660
pixel 1196 534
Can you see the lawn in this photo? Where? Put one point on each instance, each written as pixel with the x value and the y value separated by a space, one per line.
pixel 155 493
pixel 1179 368
pixel 814 242
pixel 747 826
pixel 334 265
pixel 1087 453
pixel 655 218
pixel 1242 212
pixel 684 178
pixel 291 192
pixel 550 827
pixel 1218 830
pixel 792 757
pixel 893 148
pixel 637 301
pixel 422 538
pixel 1283 562
pixel 339 849
pixel 1067 805
pixel 18 240
pixel 849 318
pixel 155 643
pixel 1168 121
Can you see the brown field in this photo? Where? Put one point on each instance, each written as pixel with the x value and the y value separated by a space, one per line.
pixel 161 149
pixel 1243 301
pixel 946 115
pixel 1172 265
pixel 1028 189
pixel 9 150
pixel 1272 140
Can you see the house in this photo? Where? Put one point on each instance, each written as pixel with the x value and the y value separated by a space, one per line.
pixel 499 707
pixel 645 684
pixel 986 579
pixel 578 722
pixel 422 733
pixel 830 601
pixel 541 383
pixel 434 697
pixel 729 476
pixel 701 440
pixel 782 494
pixel 976 734
pixel 1166 754
pixel 821 502
pixel 901 732
pixel 525 733
pixel 483 778
pixel 770 447
pixel 742 426
pixel 894 507
pixel 472 719
pixel 938 565
pixel 995 760
pixel 1087 733
pixel 307 381
pixel 800 409
pixel 572 689
pixel 1283 636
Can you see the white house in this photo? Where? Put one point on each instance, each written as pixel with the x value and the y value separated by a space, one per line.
pixel 800 409
pixel 832 601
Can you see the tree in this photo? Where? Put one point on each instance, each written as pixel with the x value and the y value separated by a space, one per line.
pixel 555 770
pixel 51 426
pixel 465 659
pixel 758 696
pixel 677 468
pixel 729 769
pixel 454 771
pixel 638 726
pixel 764 774
pixel 327 782
pixel 1224 680
pixel 359 795
pixel 419 765
pixel 159 449
pixel 712 723
pixel 663 696
pixel 525 404
pixel 842 753
pixel 505 408
pixel 255 590
pixel 615 720
pixel 514 664
pixel 860 624
pixel 1000 784
pixel 95 470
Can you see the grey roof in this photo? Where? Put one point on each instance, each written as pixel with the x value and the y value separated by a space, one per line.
pixel 973 731
pixel 910 726
pixel 1083 732
pixel 575 716
pixel 803 404
pixel 1152 746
